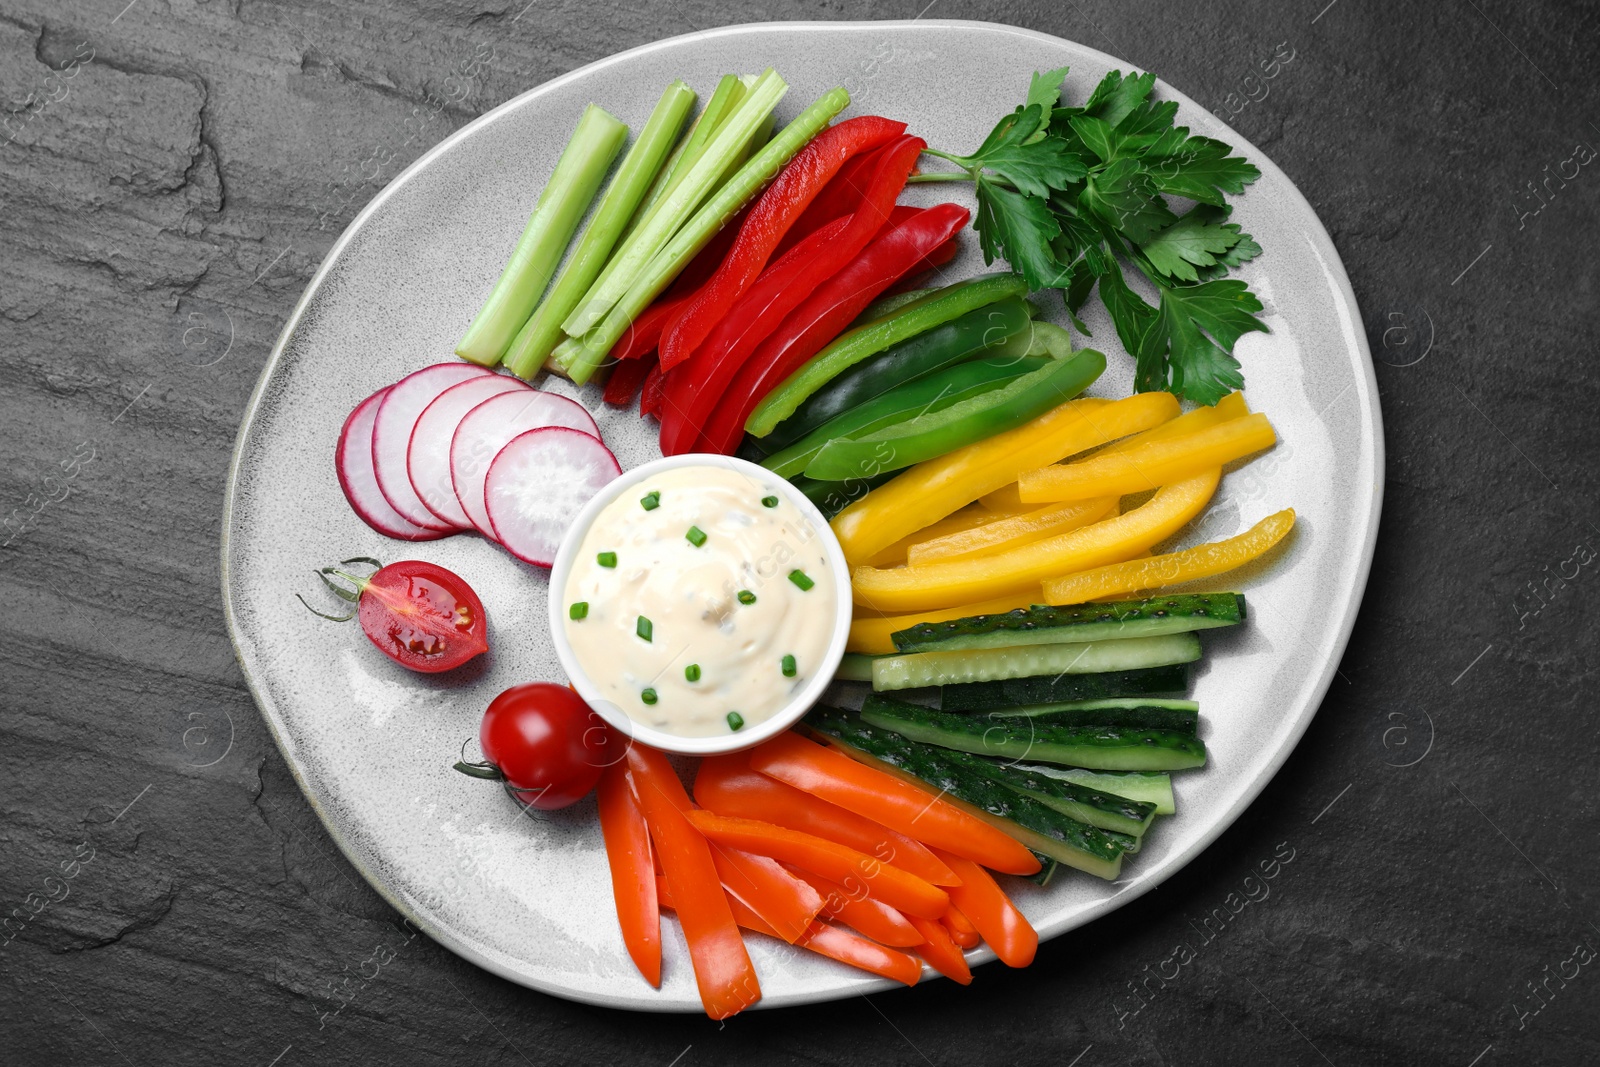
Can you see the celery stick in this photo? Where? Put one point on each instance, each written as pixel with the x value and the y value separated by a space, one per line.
pixel 561 206
pixel 729 92
pixel 679 204
pixel 694 234
pixel 541 332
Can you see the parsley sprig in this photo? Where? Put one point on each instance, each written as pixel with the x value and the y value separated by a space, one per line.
pixel 1070 196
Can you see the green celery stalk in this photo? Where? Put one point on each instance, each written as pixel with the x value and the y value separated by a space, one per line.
pixel 561 206
pixel 724 98
pixel 694 234
pixel 678 205
pixel 543 330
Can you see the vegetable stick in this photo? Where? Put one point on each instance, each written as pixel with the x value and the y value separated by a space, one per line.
pixel 829 941
pixel 1172 568
pixel 889 884
pixel 1003 534
pixel 968 518
pixel 912 810
pixel 862 913
pixel 941 952
pixel 990 911
pixel 869 634
pixel 960 928
pixel 1154 464
pixel 727 786
pixel 938 585
pixel 722 968
pixel 933 489
pixel 633 882
pixel 784 902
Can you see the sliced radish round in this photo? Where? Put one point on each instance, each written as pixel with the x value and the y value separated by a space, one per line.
pixel 538 484
pixel 352 461
pixel 428 456
pixel 490 426
pixel 391 436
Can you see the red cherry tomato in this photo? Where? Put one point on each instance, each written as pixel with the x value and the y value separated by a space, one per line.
pixel 545 743
pixel 420 615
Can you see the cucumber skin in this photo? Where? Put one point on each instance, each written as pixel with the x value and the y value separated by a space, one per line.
pixel 1095 748
pixel 1119 783
pixel 1136 717
pixel 1049 689
pixel 1106 811
pixel 1043 624
pixel 854 667
pixel 1076 844
pixel 914 670
pixel 1037 711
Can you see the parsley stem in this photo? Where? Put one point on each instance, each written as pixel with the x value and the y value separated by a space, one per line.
pixel 941 176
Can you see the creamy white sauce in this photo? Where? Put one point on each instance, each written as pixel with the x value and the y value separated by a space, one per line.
pixel 690 595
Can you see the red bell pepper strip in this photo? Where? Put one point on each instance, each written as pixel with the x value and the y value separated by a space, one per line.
pixel 776 293
pixel 722 968
pixel 836 862
pixel 866 916
pixel 644 333
pixel 785 902
pixel 796 185
pixel 727 786
pixel 918 276
pixel 942 953
pixel 896 251
pixel 914 810
pixel 829 941
pixel 992 914
pixel 633 882
pixel 839 197
pixel 623 384
pixel 653 395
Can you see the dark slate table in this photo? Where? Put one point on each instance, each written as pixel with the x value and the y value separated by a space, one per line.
pixel 173 172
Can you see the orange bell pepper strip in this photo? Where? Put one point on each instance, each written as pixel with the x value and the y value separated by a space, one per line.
pixel 829 941
pixel 786 903
pixel 830 859
pixel 960 928
pixel 722 968
pixel 727 786
pixel 997 920
pixel 633 882
pixel 866 916
pixel 941 951
pixel 914 811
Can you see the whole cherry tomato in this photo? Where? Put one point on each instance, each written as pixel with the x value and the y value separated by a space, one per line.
pixel 420 615
pixel 545 743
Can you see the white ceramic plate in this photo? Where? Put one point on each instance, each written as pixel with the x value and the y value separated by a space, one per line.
pixel 528 897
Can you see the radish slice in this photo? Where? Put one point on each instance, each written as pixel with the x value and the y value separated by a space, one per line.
pixel 538 484
pixel 352 461
pixel 490 426
pixel 391 436
pixel 428 456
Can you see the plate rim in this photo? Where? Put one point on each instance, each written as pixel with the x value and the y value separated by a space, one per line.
pixel 1365 384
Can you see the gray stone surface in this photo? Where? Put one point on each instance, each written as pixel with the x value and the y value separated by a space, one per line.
pixel 172 172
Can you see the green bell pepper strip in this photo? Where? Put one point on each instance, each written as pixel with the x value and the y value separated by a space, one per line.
pixel 925 436
pixel 974 333
pixel 886 305
pixel 855 345
pixel 932 392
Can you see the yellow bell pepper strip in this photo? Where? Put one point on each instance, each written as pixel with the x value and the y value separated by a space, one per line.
pixel 1014 532
pixel 1172 568
pixel 1231 406
pixel 940 585
pixel 931 490
pixel 966 519
pixel 1158 463
pixel 869 634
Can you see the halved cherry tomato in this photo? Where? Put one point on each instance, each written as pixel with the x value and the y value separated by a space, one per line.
pixel 420 615
pixel 545 743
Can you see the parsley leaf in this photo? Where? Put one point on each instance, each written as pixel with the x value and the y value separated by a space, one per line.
pixel 1198 239
pixel 1116 96
pixel 1044 89
pixel 1199 168
pixel 1034 167
pixel 1123 197
pixel 1173 354
pixel 1019 229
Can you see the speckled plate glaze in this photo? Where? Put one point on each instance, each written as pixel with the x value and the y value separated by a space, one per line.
pixel 528 896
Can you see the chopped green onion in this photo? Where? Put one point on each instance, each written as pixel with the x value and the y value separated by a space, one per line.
pixel 650 501
pixel 735 721
pixel 696 536
pixel 789 667
pixel 746 597
pixel 800 578
pixel 769 501
pixel 648 696
pixel 561 206
pixel 606 559
pixel 644 628
pixel 579 610
pixel 692 672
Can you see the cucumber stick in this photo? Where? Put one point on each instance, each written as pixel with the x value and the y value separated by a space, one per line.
pixel 854 667
pixel 1066 709
pixel 1041 828
pixel 1178 613
pixel 998 664
pixel 1084 803
pixel 1105 748
pixel 987 696
pixel 1149 714
pixel 1151 787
